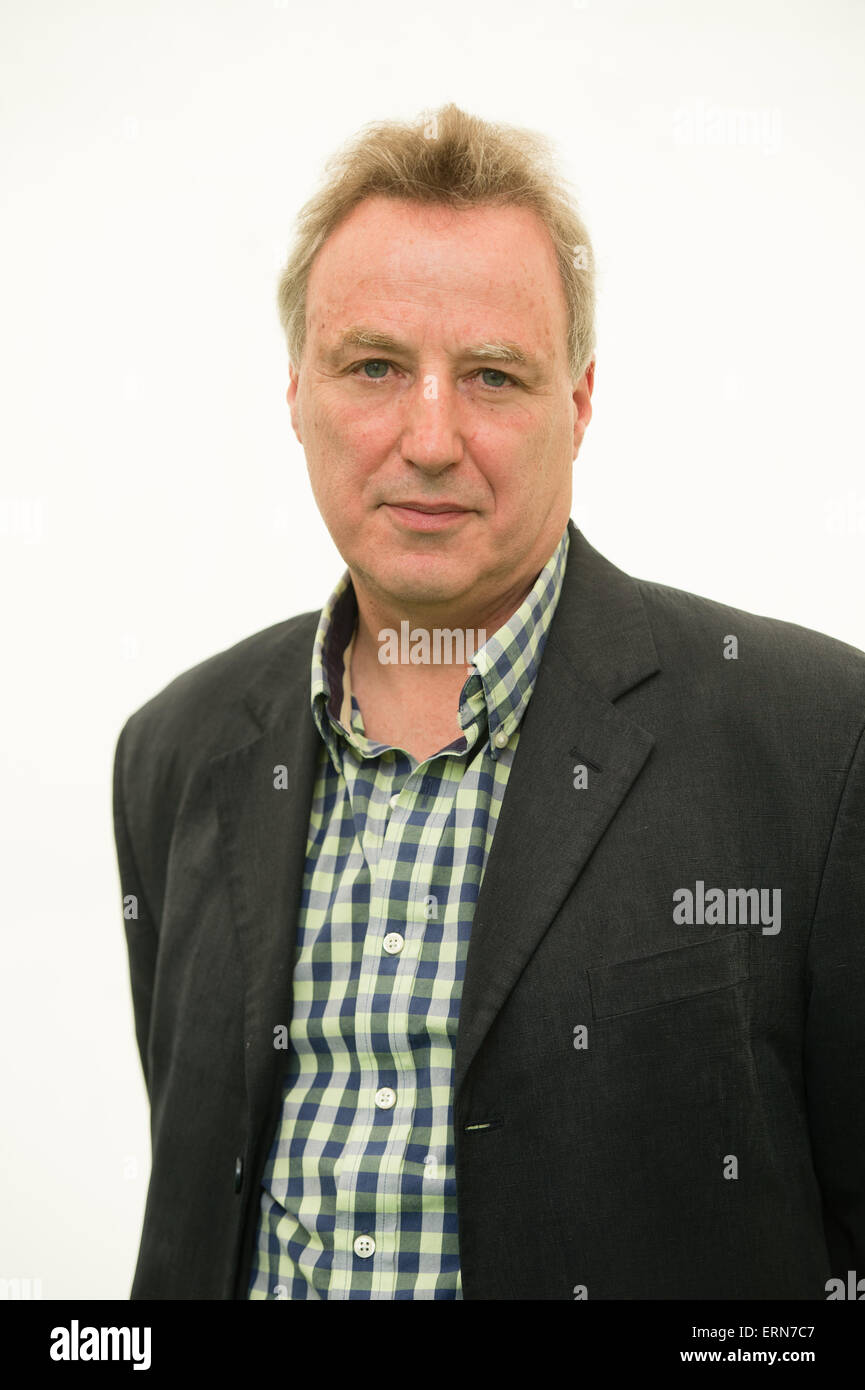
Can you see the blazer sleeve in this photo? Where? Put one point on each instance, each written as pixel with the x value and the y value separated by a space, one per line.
pixel 138 920
pixel 835 1028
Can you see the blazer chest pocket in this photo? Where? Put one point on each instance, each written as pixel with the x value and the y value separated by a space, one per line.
pixel 663 978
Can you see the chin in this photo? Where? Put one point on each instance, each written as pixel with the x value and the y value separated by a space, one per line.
pixel 412 588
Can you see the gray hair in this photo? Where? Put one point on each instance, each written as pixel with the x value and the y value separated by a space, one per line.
pixel 457 160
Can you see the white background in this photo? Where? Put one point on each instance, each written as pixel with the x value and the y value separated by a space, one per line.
pixel 154 506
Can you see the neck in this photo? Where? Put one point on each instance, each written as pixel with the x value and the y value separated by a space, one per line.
pixel 412 647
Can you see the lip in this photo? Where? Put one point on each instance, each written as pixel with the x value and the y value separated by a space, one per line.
pixel 426 516
pixel 431 507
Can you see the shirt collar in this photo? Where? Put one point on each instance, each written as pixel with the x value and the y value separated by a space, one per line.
pixel 506 666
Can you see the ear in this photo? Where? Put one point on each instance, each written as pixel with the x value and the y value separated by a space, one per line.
pixel 582 398
pixel 291 397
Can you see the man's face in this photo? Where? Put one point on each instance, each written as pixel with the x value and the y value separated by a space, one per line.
pixel 426 418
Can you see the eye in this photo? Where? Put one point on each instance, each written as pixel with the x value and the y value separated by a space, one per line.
pixel 496 385
pixel 373 362
pixel 380 365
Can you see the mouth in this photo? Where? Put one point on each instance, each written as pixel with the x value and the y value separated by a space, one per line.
pixel 426 516
pixel 433 508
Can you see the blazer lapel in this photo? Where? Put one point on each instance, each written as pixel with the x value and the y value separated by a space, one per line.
pixel 263 822
pixel 599 646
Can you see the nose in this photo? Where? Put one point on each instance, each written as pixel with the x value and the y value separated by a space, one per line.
pixel 431 436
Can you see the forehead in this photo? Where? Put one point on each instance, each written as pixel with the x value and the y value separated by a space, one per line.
pixel 489 268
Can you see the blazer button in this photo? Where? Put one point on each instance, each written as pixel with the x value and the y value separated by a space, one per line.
pixel 238 1174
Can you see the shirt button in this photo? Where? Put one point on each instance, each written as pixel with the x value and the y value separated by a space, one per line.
pixel 364 1246
pixel 500 739
pixel 393 942
pixel 385 1098
pixel 394 799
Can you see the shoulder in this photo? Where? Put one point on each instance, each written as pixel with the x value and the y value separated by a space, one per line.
pixel 782 665
pixel 676 614
pixel 215 703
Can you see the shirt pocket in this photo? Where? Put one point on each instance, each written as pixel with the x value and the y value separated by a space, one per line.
pixel 685 972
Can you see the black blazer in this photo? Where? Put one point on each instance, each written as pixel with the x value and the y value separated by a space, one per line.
pixel 644 1108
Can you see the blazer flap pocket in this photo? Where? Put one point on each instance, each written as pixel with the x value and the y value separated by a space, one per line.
pixel 629 985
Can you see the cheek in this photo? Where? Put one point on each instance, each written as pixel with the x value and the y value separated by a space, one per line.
pixel 511 451
pixel 355 438
pixel 345 448
pixel 515 431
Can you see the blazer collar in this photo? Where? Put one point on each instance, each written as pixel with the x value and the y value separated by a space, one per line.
pixel 600 628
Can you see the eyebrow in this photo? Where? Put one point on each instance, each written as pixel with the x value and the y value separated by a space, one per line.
pixel 490 351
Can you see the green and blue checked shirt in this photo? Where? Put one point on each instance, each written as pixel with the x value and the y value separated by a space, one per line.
pixel 359 1192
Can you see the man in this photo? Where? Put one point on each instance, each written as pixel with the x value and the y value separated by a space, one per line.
pixel 533 971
